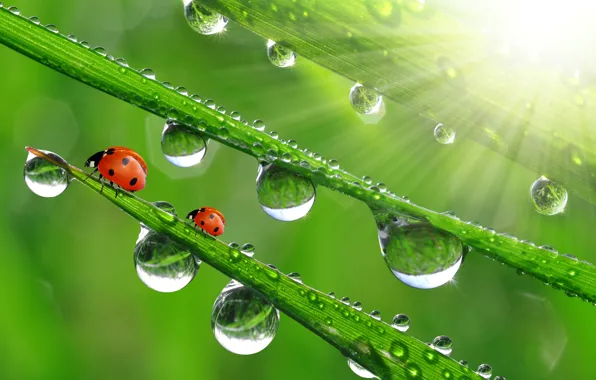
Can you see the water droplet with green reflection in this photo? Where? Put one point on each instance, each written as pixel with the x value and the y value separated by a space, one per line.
pixel 443 344
pixel 548 197
pixel 181 145
pixel 243 322
pixel 163 264
pixel 365 100
pixel 418 254
pixel 359 370
pixel 279 55
pixel 401 322
pixel 485 371
pixel 44 178
pixel 284 195
pixel 444 135
pixel 202 20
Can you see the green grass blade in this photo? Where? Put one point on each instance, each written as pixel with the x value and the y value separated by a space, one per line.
pixel 56 51
pixel 383 350
pixel 423 56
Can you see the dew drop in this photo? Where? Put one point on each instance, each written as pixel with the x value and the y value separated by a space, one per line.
pixel 284 195
pixel 485 371
pixel 499 378
pixel 357 305
pixel 259 125
pixel 243 322
pixel 401 322
pixel 359 370
pixel 418 254
pixel 376 314
pixel 365 100
pixel 367 180
pixel 463 363
pixel 100 50
pixel 333 164
pixel 279 55
pixel 345 300
pixel 147 73
pixel 72 37
pixel 182 145
pixel 52 28
pixel 209 103
pixel 248 249
pixel 548 197
pixel 163 264
pixel 34 20
pixel 235 115
pixel 444 135
pixel 44 178
pixel 295 276
pixel 443 344
pixel 202 20
pixel 14 10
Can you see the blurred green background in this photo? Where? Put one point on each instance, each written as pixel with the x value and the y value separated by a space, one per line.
pixel 72 306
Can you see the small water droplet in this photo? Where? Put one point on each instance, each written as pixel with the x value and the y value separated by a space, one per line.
pixel 52 28
pixel 499 378
pixel 357 305
pixel 100 50
pixel 235 115
pixel 181 145
pixel 248 249
pixel 44 178
pixel 164 265
pixel 34 20
pixel 279 55
pixel 295 276
pixel 365 100
pixel 14 10
pixel 375 314
pixel 367 180
pixel 443 344
pixel 243 322
pixel 401 322
pixel 284 195
pixel 259 125
pixel 463 363
pixel 548 197
pixel 202 20
pixel 147 73
pixel 333 164
pixel 292 144
pixel 485 371
pixel 444 135
pixel 221 110
pixel 345 300
pixel 209 103
pixel 359 370
pixel 72 37
pixel 418 254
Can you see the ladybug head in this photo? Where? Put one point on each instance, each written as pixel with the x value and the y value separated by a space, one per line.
pixel 93 161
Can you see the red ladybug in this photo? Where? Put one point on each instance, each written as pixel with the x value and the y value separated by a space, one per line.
pixel 209 220
pixel 121 166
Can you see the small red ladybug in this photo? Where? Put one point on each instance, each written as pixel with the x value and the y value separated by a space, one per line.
pixel 121 166
pixel 209 220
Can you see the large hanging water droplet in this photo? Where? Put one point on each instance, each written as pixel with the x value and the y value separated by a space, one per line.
pixel 401 322
pixel 548 197
pixel 202 20
pixel 360 370
pixel 164 265
pixel 181 145
pixel 279 55
pixel 443 344
pixel 165 206
pixel 44 178
pixel 418 254
pixel 444 135
pixel 284 195
pixel 364 100
pixel 242 320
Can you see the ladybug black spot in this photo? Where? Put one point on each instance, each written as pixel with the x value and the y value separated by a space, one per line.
pixel 211 216
pixel 125 161
pixel 202 222
pixel 216 229
pixel 111 172
pixel 133 181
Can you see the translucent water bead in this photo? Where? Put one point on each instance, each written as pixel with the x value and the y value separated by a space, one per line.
pixel 284 195
pixel 202 20
pixel 364 100
pixel 163 264
pixel 279 55
pixel 444 135
pixel 418 254
pixel 548 197
pixel 181 145
pixel 44 178
pixel 359 370
pixel 243 322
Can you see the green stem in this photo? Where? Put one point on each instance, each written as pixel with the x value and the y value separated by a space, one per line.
pixel 383 350
pixel 423 56
pixel 88 66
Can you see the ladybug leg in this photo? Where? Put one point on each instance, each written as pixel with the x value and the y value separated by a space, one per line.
pixel 93 172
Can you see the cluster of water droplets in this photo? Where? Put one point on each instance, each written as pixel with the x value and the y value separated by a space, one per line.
pixel 44 178
pixel 181 145
pixel 161 263
pixel 418 254
pixel 202 20
pixel 365 100
pixel 284 195
pixel 243 322
pixel 279 55
pixel 548 197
